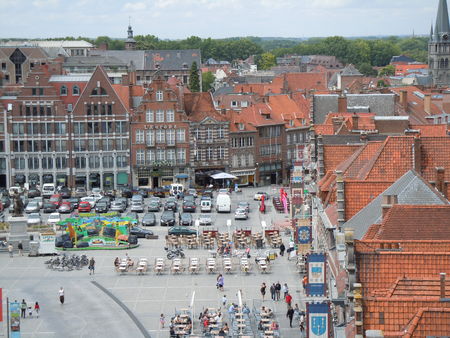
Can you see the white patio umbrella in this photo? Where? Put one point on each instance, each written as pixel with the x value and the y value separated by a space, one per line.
pixel 223 176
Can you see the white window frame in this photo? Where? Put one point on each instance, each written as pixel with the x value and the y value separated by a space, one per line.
pixel 170 136
pixel 160 115
pixel 159 96
pixel 160 136
pixel 140 157
pixel 150 116
pixel 150 137
pixel 181 135
pixel 139 136
pixel 170 115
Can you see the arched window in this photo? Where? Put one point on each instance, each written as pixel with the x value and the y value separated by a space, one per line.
pixel 431 64
pixel 75 90
pixel 442 63
pixel 446 64
pixel 98 91
pixel 63 91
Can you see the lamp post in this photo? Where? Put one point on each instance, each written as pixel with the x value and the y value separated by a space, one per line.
pixel 229 228
pixel 197 225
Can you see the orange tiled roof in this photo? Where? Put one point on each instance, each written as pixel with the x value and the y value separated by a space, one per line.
pixel 365 120
pixel 301 81
pixel 236 119
pixel 324 129
pixel 429 130
pixel 407 69
pixel 124 93
pixel 199 106
pixel 407 222
pixel 261 89
pixel 333 155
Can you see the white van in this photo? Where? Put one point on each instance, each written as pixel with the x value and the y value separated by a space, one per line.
pixel 176 188
pixel 48 189
pixel 223 203
pixel 205 205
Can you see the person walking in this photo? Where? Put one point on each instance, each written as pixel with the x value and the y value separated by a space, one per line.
pixel 92 265
pixel 220 282
pixel 20 247
pixel 224 300
pixel 23 308
pixel 263 290
pixel 10 250
pixel 278 290
pixel 162 320
pixel 282 249
pixel 61 295
pixel 288 299
pixel 272 291
pixel 285 290
pixel 290 315
pixel 37 308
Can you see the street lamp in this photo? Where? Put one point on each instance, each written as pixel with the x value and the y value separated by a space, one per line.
pixel 197 225
pixel 229 228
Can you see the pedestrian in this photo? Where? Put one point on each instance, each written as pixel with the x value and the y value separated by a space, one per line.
pixel 288 299
pixel 92 265
pixel 278 290
pixel 305 283
pixel 282 249
pixel 285 290
pixel 162 320
pixel 290 315
pixel 224 300
pixel 20 247
pixel 10 250
pixel 272 291
pixel 61 295
pixel 30 312
pixel 37 308
pixel 220 282
pixel 23 308
pixel 263 290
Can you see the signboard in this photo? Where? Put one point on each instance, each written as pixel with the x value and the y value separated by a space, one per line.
pixel 102 241
pixel 47 243
pixel 316 275
pixel 14 319
pixel 318 320
pixel 304 235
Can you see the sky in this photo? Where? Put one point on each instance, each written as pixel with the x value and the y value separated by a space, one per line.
pixel 178 19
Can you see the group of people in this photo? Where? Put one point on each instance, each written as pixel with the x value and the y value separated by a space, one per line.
pixel 11 249
pixel 207 318
pixel 177 321
pixel 24 306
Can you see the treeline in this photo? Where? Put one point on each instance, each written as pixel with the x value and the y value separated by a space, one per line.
pixel 365 53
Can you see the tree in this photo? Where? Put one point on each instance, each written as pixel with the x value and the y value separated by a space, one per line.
pixel 207 81
pixel 367 69
pixel 194 81
pixel 389 70
pixel 266 61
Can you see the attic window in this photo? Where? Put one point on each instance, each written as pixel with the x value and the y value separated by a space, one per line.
pixel 244 104
pixel 185 66
pixel 157 66
pixel 291 123
pixel 241 126
pixel 234 104
pixel 98 91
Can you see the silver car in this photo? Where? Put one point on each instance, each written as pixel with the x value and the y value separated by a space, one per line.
pixel 34 219
pixel 137 206
pixel 205 219
pixel 240 213
pixel 32 207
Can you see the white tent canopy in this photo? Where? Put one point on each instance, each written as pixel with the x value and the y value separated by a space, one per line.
pixel 222 176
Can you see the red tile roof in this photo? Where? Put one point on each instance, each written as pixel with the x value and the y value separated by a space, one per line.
pixel 431 130
pixel 301 81
pixel 333 155
pixel 124 93
pixel 261 89
pixel 199 106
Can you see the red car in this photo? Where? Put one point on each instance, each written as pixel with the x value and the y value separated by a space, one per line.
pixel 65 208
pixel 84 207
pixel 56 199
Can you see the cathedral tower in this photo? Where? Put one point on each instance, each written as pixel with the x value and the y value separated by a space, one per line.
pixel 439 47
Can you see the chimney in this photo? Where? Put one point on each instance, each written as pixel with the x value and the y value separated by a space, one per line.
pixel 427 103
pixel 386 204
pixel 404 99
pixel 340 198
pixel 342 104
pixel 337 123
pixel 320 156
pixel 442 275
pixel 355 119
pixel 417 155
pixel 440 184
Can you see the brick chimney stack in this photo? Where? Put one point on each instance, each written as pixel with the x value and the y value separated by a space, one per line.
pixel 342 103
pixel 442 284
pixel 404 99
pixel 427 103
pixel 387 203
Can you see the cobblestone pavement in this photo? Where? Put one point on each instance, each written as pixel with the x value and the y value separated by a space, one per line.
pixel 89 312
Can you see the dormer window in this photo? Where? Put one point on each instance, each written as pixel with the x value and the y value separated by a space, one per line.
pixel 185 66
pixel 291 123
pixel 157 66
pixel 234 104
pixel 159 95
pixel 241 126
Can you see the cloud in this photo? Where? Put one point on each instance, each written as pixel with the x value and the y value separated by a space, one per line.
pixel 45 3
pixel 327 4
pixel 135 6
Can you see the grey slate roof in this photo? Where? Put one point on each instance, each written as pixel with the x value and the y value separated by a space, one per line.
pixel 350 70
pixel 74 61
pixel 223 90
pixel 125 56
pixel 172 59
pixel 401 58
pixel 411 188
pixel 442 22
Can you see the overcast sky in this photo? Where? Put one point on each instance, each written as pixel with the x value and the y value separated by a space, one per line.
pixel 175 19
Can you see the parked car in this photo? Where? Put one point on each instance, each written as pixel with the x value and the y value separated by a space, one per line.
pixel 259 195
pixel 189 206
pixel 80 192
pixel 56 199
pixel 167 218
pixel 48 208
pixel 153 207
pixel 6 201
pixel 110 193
pixel 192 192
pixel 185 219
pixel 189 198
pixel 132 215
pixel 205 219
pixel 141 233
pixel 143 192
pixel 137 206
pixel 206 205
pixel 179 230
pixel 127 193
pixel 32 207
pixel 207 193
pixel 65 208
pixel 84 206
pixel 244 205
pixel 159 192
pixel 34 219
pixel 118 206
pixel 33 192
pixel 101 207
pixel 124 200
pixel 54 218
pixel 40 201
pixel 97 191
pixel 90 200
pixel 149 220
pixel 105 199
pixel 65 192
pixel 74 201
pixel 96 196
pixel 171 205
pixel 240 214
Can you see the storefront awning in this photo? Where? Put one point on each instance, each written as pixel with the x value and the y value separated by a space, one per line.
pixel 183 176
pixel 243 172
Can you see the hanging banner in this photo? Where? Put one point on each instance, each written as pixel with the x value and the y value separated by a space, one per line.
pixel 14 319
pixel 318 320
pixel 316 275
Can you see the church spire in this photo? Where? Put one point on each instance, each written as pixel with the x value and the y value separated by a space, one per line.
pixel 442 23
pixel 130 42
pixel 431 32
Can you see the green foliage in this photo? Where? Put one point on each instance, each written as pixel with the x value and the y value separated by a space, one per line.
pixel 207 81
pixel 112 43
pixel 389 70
pixel 194 81
pixel 367 69
pixel 266 61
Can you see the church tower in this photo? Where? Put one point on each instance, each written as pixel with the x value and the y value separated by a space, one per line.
pixel 130 42
pixel 439 47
